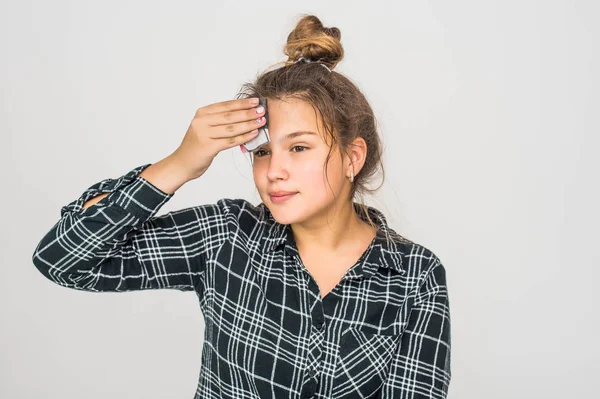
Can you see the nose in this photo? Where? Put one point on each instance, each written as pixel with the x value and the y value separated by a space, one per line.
pixel 278 167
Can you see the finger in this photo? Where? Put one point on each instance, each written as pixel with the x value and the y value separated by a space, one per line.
pixel 236 129
pixel 233 141
pixel 229 117
pixel 228 106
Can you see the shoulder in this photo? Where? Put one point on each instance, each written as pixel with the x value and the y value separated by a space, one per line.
pixel 418 260
pixel 414 260
pixel 241 209
pixel 246 217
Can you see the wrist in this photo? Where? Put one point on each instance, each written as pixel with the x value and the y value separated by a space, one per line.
pixel 166 174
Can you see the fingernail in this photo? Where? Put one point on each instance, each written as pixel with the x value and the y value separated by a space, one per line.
pixel 243 148
pixel 254 100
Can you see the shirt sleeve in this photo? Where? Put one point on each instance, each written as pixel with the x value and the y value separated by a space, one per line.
pixel 421 366
pixel 118 244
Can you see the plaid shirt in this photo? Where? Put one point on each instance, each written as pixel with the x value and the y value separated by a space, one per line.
pixel 382 332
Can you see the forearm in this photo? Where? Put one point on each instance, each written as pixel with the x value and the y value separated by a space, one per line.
pixel 113 248
pixel 167 175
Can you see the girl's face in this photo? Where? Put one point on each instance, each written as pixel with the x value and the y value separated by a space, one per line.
pixel 294 162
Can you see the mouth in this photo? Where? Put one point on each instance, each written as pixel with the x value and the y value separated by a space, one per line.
pixel 278 199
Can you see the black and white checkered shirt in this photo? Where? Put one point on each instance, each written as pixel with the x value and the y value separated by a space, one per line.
pixel 382 332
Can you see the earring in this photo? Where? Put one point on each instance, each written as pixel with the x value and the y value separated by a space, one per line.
pixel 351 176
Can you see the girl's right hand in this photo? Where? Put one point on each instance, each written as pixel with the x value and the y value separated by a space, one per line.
pixel 217 127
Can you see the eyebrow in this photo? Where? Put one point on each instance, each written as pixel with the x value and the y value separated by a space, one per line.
pixel 290 136
pixel 293 135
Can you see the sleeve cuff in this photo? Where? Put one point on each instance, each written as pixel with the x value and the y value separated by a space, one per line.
pixel 131 192
pixel 139 197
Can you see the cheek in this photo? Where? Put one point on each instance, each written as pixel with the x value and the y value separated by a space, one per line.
pixel 304 174
pixel 259 175
pixel 314 177
pixel 310 175
pixel 311 170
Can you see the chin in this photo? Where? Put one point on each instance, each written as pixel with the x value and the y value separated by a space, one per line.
pixel 283 215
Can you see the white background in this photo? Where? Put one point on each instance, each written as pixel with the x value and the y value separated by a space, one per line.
pixel 489 115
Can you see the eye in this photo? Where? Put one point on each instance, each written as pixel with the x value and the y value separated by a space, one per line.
pixel 257 152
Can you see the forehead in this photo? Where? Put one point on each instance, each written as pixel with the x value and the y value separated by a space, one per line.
pixel 292 115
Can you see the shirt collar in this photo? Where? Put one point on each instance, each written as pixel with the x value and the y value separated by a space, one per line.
pixel 386 250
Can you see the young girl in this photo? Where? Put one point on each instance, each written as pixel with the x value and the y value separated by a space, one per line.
pixel 308 294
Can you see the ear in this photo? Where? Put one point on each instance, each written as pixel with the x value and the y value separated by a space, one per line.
pixel 355 157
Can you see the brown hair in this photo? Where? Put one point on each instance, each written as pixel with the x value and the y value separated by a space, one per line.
pixel 344 110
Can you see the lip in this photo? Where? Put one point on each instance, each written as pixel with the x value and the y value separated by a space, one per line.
pixel 281 193
pixel 278 199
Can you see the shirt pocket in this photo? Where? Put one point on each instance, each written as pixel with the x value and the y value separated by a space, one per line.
pixel 363 362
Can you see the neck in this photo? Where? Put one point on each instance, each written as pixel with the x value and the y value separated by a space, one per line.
pixel 337 229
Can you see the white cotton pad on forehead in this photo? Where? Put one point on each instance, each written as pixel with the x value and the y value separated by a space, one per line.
pixel 263 132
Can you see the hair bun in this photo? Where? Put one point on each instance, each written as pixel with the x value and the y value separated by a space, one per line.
pixel 311 40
